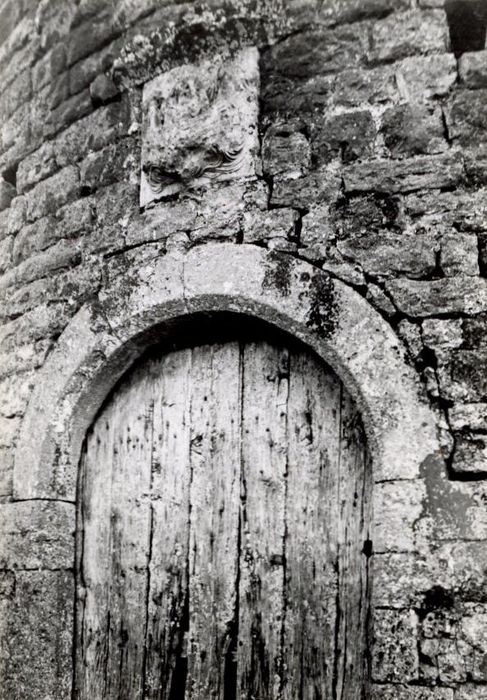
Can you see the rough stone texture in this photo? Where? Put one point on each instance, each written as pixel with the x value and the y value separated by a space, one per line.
pixel 366 159
pixel 472 69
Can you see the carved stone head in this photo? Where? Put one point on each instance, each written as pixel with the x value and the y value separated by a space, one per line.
pixel 200 124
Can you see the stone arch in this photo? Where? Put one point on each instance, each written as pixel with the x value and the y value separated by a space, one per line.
pixel 108 334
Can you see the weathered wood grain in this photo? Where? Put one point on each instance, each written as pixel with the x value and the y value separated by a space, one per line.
pixel 353 544
pixel 116 540
pixel 262 556
pixel 314 414
pixel 167 599
pixel 215 503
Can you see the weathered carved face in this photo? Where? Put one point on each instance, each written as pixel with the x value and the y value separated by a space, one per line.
pixel 200 124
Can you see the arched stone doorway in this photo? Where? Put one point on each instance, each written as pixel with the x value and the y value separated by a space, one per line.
pixel 224 527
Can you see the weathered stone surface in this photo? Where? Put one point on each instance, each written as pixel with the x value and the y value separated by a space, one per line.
pixel 470 415
pixel 470 691
pixel 395 650
pixel 27 357
pixel 262 226
pixel 469 373
pixel 459 254
pixel 104 126
pixel 36 623
pixel 466 117
pixel 410 692
pixel 390 254
pixel 473 641
pixel 316 230
pixel 37 535
pixel 474 332
pixel 200 125
pixel 472 69
pixel 461 210
pixel 452 510
pixel 6 247
pixel 321 187
pixel 397 505
pixel 422 172
pixel 470 455
pixel 342 11
pixel 411 130
pixel 448 295
pixel 366 214
pixel 103 89
pixel 7 193
pixel 285 153
pixel 52 193
pixel 355 87
pixel 113 163
pixel 349 135
pixel 15 392
pixel 442 334
pixel 408 33
pixel 45 321
pixel 420 78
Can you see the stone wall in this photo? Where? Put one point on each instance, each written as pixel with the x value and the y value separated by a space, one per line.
pixel 370 163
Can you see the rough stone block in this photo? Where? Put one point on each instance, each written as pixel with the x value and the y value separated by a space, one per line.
pixel 410 692
pixel 27 357
pixel 49 67
pixel 395 650
pixel 393 574
pixel 6 247
pixel 285 154
pixel 6 471
pixel 103 90
pixel 53 21
pixel 48 196
pixel 262 226
pixel 60 255
pixel 17 214
pixel 408 33
pixel 469 372
pixel 466 117
pixel 447 295
pixel 357 86
pixel 9 429
pixel 453 510
pixel 316 229
pixel 16 94
pixel 459 254
pixel 15 392
pixel 318 52
pixel 472 69
pixel 37 535
pixel 45 321
pixel 349 135
pixel 421 78
pixel 36 632
pixel 470 691
pixel 422 172
pixel 367 214
pixel 413 130
pixel 471 416
pixel 114 163
pixel 321 187
pixel 470 454
pixel 84 72
pixel 390 254
pixel 397 506
pixel 442 334
pixel 473 641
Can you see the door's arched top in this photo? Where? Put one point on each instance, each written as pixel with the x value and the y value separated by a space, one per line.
pixel 109 333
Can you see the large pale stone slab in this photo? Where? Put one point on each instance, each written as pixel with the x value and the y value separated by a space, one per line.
pixel 200 125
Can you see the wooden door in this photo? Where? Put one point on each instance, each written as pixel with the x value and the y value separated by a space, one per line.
pixel 223 517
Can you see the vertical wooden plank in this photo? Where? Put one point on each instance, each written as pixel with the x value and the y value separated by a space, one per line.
pixel 116 539
pixel 214 519
pixel 262 558
pixel 165 668
pixel 353 521
pixel 93 584
pixel 311 542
